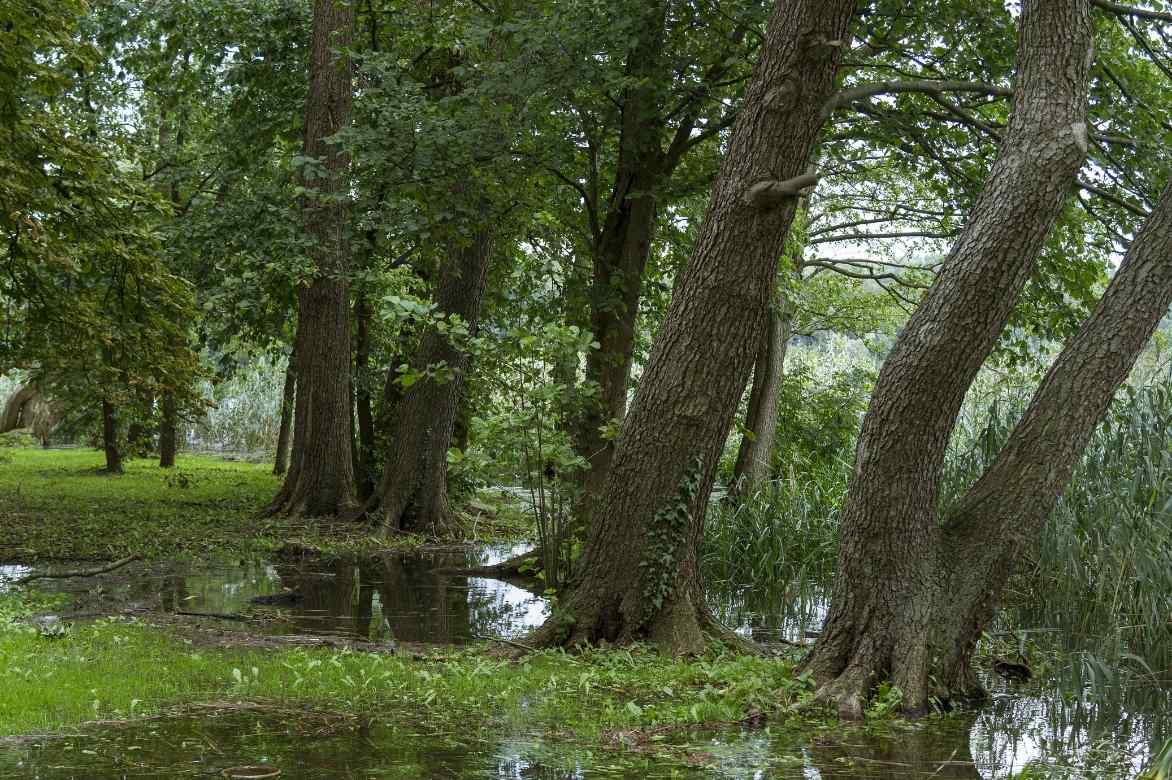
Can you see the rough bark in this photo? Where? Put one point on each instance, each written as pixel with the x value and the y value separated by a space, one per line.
pixel 110 438
pixel 755 455
pixel 168 436
pixel 288 394
pixel 620 253
pixel 137 444
pixel 168 432
pixel 1005 511
pixel 887 587
pixel 413 491
pixel 363 466
pixel 638 576
pixel 320 481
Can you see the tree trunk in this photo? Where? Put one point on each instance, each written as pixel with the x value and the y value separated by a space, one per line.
pixel 638 577
pixel 364 469
pixel 288 394
pixel 755 455
pixel 1007 508
pixel 110 438
pixel 887 588
pixel 168 432
pixel 320 480
pixel 620 256
pixel 413 492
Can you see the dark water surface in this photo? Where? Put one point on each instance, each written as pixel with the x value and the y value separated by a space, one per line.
pixel 1070 729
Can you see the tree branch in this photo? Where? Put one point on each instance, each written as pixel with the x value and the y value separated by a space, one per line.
pixel 768 194
pixel 929 87
pixel 1127 10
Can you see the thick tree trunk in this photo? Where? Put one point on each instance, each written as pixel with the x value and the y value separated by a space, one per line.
pixel 887 587
pixel 365 414
pixel 168 432
pixel 110 438
pixel 413 492
pixel 320 480
pixel 288 396
pixel 755 455
pixel 638 576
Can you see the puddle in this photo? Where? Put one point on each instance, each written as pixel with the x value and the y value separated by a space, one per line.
pixel 955 747
pixel 393 595
pixel 204 747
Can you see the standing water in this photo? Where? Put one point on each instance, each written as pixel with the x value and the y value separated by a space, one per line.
pixel 1049 728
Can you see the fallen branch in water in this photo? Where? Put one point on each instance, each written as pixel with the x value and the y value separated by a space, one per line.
pixel 79 573
pixel 217 615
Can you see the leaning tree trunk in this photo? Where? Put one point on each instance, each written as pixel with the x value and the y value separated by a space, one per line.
pixel 320 480
pixel 1006 509
pixel 110 438
pixel 887 587
pixel 288 394
pixel 413 492
pixel 638 575
pixel 168 432
pixel 755 455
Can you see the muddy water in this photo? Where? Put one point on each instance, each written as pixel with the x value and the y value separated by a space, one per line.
pixel 1073 731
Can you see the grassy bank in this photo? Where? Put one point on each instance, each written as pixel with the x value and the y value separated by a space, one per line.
pixel 60 505
pixel 115 669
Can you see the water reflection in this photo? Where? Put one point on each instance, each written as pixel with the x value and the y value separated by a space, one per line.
pixel 1060 723
pixel 392 595
pixel 405 598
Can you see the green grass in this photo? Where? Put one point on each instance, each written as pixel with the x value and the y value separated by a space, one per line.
pixel 121 670
pixel 59 505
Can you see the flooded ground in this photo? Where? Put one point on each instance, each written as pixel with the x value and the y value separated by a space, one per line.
pixel 378 598
pixel 1072 730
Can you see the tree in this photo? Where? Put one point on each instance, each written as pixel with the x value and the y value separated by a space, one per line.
pixel 413 491
pixel 888 601
pixel 638 576
pixel 320 480
pixel 666 89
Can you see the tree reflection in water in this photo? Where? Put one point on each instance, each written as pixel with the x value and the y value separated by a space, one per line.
pixel 403 596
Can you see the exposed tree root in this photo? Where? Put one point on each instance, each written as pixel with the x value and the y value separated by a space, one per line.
pixel 680 629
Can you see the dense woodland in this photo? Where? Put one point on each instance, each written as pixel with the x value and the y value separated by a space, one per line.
pixel 680 269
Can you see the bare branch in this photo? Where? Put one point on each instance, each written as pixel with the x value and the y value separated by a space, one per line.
pixel 884 236
pixel 930 87
pixel 1127 10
